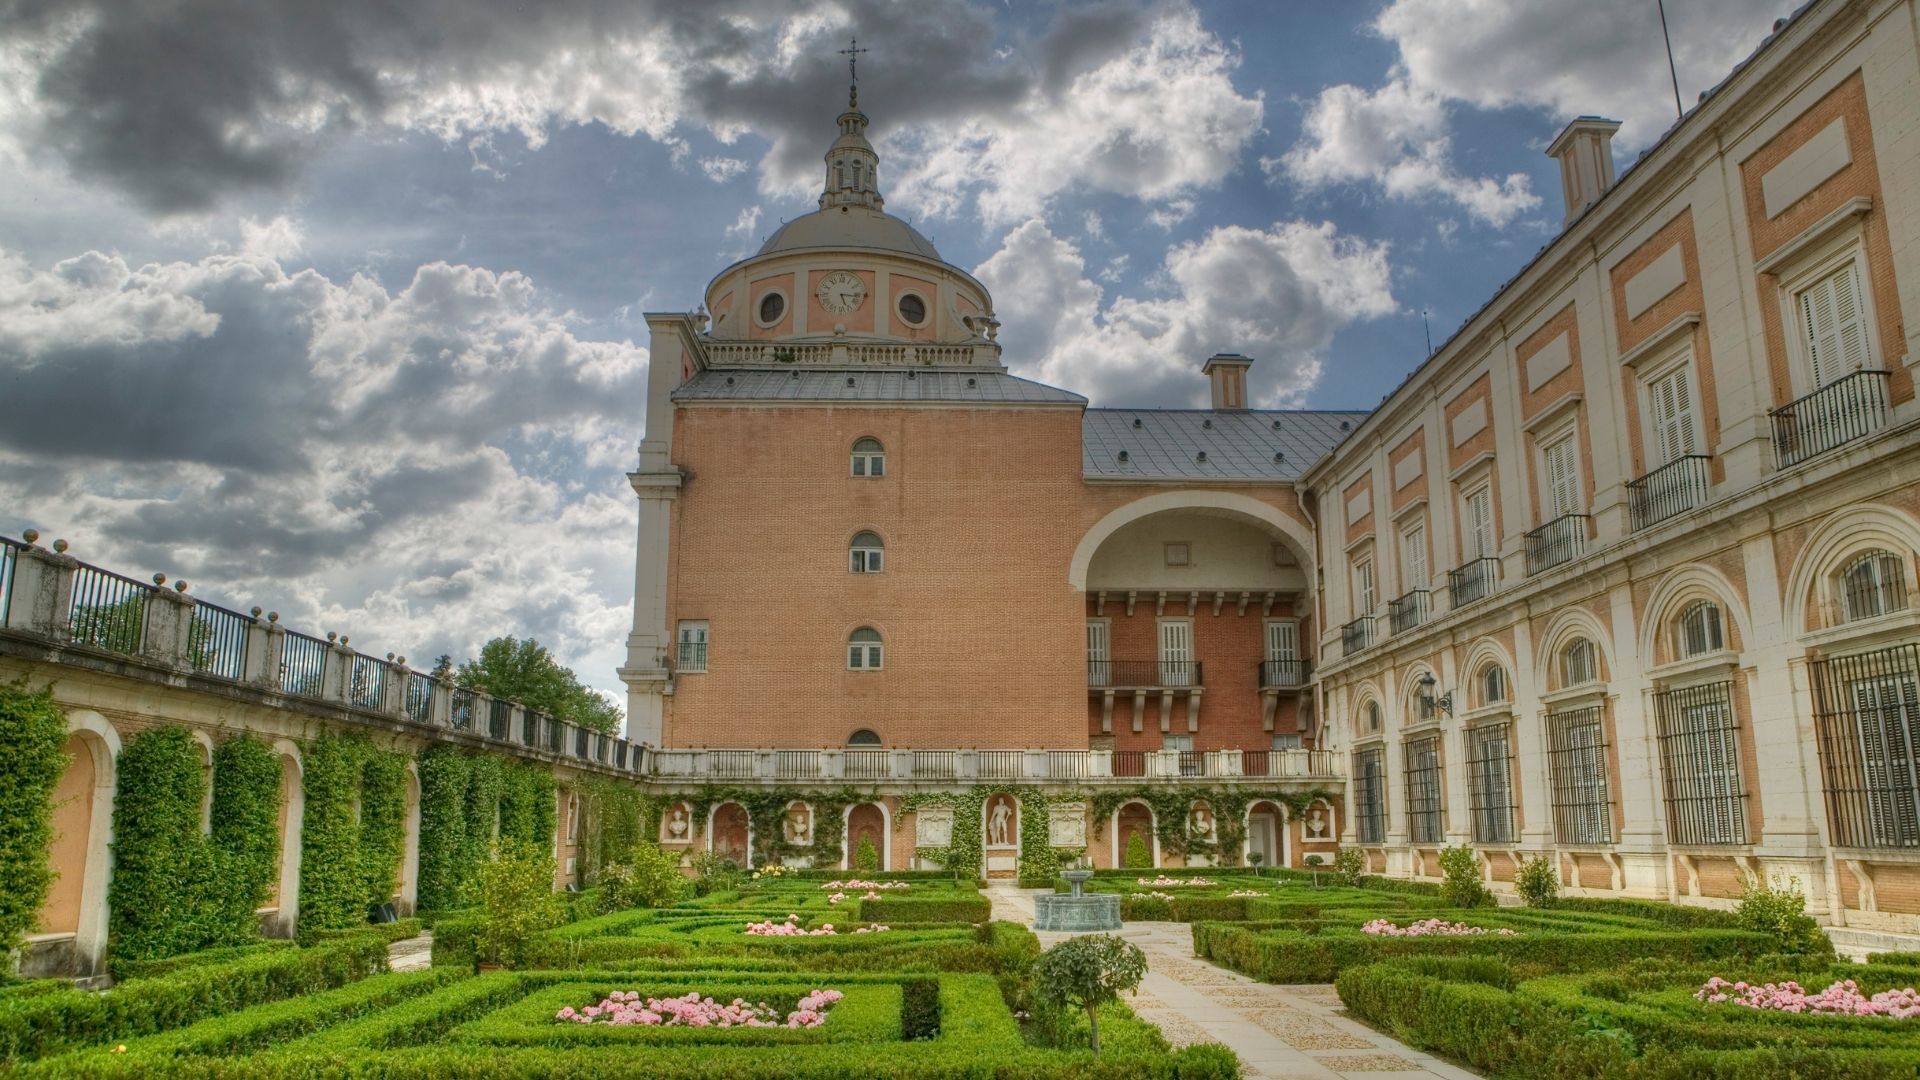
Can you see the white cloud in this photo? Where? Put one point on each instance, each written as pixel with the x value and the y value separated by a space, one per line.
pixel 1172 213
pixel 279 239
pixel 722 169
pixel 1395 136
pixel 1095 228
pixel 1277 294
pixel 745 225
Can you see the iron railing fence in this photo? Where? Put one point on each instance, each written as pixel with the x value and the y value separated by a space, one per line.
pixel 1668 491
pixel 556 736
pixel 419 697
pixel 499 717
pixel 1474 580
pixel 1577 766
pixel 1409 610
pixel 1370 795
pixel 217 641
pixel 9 558
pixel 1423 790
pixel 1356 635
pixel 1848 408
pixel 1699 735
pixel 108 611
pixel 580 736
pixel 530 722
pixel 1867 721
pixel 1284 674
pixel 367 683
pixel 460 712
pixel 1154 674
pixel 1129 763
pixel 1490 783
pixel 303 665
pixel 1558 542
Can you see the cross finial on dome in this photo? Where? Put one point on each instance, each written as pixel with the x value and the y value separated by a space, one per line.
pixel 852 53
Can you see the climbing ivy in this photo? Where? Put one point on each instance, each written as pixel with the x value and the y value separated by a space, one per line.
pixel 466 801
pixel 33 732
pixel 527 795
pixel 246 825
pixel 965 848
pixel 383 823
pixel 767 811
pixel 445 772
pixel 1171 806
pixel 616 817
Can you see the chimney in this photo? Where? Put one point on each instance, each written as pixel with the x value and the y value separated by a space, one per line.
pixel 1585 153
pixel 1228 373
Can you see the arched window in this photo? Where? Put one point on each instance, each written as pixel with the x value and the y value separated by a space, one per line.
pixel 865 555
pixel 1579 664
pixel 863 650
pixel 1493 684
pixel 1373 716
pixel 1872 584
pixel 869 458
pixel 863 737
pixel 1700 629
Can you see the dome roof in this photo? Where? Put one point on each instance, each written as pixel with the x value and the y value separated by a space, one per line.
pixel 850 227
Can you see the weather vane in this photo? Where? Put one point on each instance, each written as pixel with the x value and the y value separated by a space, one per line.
pixel 852 53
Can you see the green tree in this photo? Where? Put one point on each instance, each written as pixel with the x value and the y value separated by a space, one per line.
pixel 1138 856
pixel 1087 972
pixel 524 671
pixel 516 891
pixel 1461 885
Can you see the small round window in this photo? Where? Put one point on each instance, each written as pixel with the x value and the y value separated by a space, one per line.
pixel 913 310
pixel 772 306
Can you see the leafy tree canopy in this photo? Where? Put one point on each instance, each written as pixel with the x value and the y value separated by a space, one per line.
pixel 524 671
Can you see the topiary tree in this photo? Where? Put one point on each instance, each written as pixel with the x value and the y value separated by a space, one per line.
pixel 1350 865
pixel 1314 863
pixel 1139 856
pixel 1538 881
pixel 1461 885
pixel 1088 972
pixel 1782 912
pixel 33 734
pixel 866 858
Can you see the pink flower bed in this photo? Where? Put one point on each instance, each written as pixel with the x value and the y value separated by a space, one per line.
pixel 1427 928
pixel 790 928
pixel 870 886
pixel 1843 998
pixel 625 1008
pixel 1163 881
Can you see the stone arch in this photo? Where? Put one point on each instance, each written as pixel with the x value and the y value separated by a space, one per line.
pixel 1123 825
pixel 1853 531
pixel 410 847
pixel 1674 593
pixel 867 820
pixel 293 810
pixel 1481 653
pixel 1410 690
pixel 1368 693
pixel 730 832
pixel 1233 504
pixel 83 840
pixel 1563 628
pixel 1275 836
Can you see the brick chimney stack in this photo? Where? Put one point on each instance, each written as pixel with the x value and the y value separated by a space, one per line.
pixel 1228 373
pixel 1585 153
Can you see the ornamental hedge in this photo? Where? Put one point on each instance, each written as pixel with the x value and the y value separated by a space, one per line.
pixel 892 909
pixel 33 733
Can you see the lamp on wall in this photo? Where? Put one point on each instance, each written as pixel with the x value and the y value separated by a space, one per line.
pixel 1428 701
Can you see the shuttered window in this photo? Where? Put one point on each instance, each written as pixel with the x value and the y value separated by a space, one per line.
pixel 1563 479
pixel 1363 587
pixel 1099 653
pixel 1423 790
pixel 1835 325
pixel 1370 795
pixel 1670 402
pixel 1479 538
pixel 1413 557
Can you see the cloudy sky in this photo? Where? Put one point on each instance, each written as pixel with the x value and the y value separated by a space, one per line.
pixel 335 308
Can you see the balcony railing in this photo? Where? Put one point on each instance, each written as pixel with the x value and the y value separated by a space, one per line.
pixel 1672 489
pixel 1356 635
pixel 1475 580
pixel 1559 541
pixel 1284 674
pixel 1851 407
pixel 1409 611
pixel 1143 674
pixel 774 766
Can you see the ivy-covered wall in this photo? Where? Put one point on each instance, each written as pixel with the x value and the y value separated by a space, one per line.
pixel 767 812
pixel 33 733
pixel 353 832
pixel 616 816
pixel 1172 806
pixel 465 801
pixel 174 889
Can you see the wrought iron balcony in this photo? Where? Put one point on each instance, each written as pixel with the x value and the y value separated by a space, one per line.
pixel 1848 408
pixel 1283 674
pixel 1410 610
pixel 1356 635
pixel 1561 540
pixel 1143 675
pixel 1474 580
pixel 1673 488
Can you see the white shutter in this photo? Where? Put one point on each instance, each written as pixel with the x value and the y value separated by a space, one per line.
pixel 1363 588
pixel 1099 666
pixel 1563 480
pixel 1176 652
pixel 1283 640
pixel 1413 557
pixel 1671 404
pixel 1480 543
pixel 1834 321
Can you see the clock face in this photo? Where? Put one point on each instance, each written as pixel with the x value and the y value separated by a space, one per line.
pixel 841 292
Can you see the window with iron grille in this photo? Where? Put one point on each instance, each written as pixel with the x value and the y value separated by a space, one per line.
pixel 1867 719
pixel 1490 783
pixel 1578 665
pixel 1577 759
pixel 1873 584
pixel 693 646
pixel 1700 757
pixel 1370 795
pixel 1423 790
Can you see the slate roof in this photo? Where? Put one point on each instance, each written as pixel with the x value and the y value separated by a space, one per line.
pixel 803 384
pixel 1166 444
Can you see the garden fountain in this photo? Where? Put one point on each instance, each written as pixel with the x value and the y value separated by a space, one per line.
pixel 1080 912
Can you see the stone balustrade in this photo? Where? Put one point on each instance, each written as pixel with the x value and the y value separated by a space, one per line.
pixel 1101 767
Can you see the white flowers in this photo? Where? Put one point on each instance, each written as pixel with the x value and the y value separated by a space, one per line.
pixel 1427 928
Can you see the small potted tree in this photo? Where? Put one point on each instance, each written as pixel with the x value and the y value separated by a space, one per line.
pixel 1087 972
pixel 516 893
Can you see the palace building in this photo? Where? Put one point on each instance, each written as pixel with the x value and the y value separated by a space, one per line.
pixel 1622 575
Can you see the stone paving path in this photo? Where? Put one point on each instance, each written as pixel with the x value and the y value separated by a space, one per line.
pixel 1280 1032
pixel 413 954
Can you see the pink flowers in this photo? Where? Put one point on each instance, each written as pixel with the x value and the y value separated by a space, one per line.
pixel 1842 998
pixel 790 928
pixel 834 898
pixel 1427 927
pixel 870 886
pixel 624 1008
pixel 1158 895
pixel 1163 881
